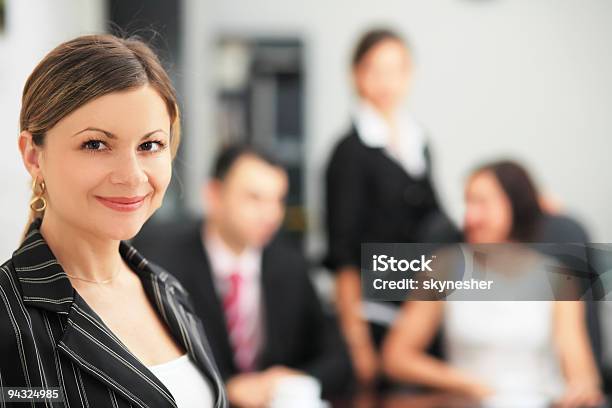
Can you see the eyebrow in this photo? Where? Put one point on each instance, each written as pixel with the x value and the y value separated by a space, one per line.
pixel 112 136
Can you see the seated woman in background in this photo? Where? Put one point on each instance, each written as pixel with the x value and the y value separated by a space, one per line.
pixel 516 349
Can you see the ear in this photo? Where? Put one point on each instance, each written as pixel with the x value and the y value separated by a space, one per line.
pixel 30 154
pixel 211 189
pixel 409 67
pixel 356 80
pixel 354 74
pixel 211 195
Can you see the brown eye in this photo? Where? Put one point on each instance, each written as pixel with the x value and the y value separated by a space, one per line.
pixel 151 146
pixel 95 145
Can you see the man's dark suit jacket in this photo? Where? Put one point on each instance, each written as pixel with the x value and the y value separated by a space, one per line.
pixel 297 332
pixel 50 337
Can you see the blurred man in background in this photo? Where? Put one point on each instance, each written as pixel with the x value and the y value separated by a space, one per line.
pixel 258 306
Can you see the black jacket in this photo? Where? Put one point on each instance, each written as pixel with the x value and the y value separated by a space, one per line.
pixel 371 198
pixel 51 338
pixel 298 334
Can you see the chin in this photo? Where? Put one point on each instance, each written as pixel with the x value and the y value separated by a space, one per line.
pixel 386 104
pixel 121 230
pixel 476 238
pixel 122 234
pixel 260 241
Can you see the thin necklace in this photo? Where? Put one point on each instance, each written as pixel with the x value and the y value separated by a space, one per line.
pixel 102 282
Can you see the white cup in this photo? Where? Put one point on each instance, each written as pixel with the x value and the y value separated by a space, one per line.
pixel 297 391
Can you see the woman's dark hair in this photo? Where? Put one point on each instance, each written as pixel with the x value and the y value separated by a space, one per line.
pixel 522 194
pixel 372 38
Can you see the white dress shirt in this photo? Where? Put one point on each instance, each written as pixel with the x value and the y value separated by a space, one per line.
pixel 185 382
pixel 374 131
pixel 223 263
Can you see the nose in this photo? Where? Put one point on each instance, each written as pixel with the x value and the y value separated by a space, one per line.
pixel 128 170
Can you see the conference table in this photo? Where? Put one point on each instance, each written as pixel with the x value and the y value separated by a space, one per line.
pixel 412 399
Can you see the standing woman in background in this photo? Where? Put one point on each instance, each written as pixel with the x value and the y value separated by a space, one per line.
pixel 378 186
pixel 80 309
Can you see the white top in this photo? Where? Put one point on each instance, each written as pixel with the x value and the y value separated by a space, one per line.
pixel 506 345
pixel 189 387
pixel 223 263
pixel 374 131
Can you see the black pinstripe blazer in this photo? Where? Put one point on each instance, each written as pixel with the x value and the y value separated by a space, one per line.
pixel 49 336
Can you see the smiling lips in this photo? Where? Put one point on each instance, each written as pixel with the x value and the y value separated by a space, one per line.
pixel 123 204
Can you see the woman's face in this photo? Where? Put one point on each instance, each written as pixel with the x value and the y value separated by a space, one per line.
pixel 383 74
pixel 488 215
pixel 107 165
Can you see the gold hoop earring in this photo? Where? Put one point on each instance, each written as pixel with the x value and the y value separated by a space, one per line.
pixel 38 203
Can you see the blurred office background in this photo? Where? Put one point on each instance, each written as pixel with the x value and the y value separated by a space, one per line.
pixel 495 78
pixel 527 79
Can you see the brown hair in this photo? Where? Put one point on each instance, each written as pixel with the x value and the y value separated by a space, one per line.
pixel 372 38
pixel 85 68
pixel 522 194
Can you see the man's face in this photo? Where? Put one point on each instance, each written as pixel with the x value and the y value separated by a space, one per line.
pixel 249 203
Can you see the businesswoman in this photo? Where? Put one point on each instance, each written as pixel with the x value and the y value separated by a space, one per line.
pixel 80 309
pixel 378 186
pixel 515 352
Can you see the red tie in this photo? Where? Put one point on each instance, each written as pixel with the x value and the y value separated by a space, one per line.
pixel 241 341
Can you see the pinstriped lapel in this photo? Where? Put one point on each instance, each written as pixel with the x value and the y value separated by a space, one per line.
pixel 87 340
pixel 93 347
pixel 43 281
pixel 172 303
